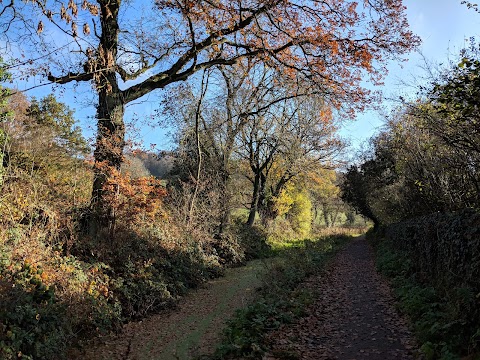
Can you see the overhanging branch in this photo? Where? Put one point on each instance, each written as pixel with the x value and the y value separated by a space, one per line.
pixel 70 77
pixel 163 79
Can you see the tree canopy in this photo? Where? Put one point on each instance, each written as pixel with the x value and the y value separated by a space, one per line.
pixel 128 49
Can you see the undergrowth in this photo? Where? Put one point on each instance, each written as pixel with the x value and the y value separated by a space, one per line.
pixel 54 295
pixel 439 317
pixel 281 299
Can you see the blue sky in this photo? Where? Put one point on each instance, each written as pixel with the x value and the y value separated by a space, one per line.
pixel 443 25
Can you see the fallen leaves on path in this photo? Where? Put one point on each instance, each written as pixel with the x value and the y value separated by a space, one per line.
pixel 353 318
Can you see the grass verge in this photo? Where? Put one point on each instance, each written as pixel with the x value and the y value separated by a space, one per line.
pixel 281 299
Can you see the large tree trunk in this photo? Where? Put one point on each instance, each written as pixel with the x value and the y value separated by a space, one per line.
pixel 108 155
pixel 266 207
pixel 110 125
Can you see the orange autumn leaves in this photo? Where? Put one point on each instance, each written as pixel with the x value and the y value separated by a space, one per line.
pixel 134 200
pixel 335 44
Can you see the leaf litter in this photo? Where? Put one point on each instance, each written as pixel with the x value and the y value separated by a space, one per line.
pixel 354 316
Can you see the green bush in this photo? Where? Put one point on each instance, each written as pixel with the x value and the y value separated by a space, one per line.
pixel 31 319
pixel 253 241
pixel 149 273
pixel 229 250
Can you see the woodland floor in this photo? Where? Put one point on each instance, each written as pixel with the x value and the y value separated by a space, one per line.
pixel 353 318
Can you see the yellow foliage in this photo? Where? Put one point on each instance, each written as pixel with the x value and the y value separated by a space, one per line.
pixel 294 203
pixel 284 201
pixel 301 214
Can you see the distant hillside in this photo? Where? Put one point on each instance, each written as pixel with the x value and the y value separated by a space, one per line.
pixel 142 163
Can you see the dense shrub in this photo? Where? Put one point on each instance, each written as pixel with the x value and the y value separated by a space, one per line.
pixel 434 262
pixel 253 240
pixel 444 248
pixel 50 299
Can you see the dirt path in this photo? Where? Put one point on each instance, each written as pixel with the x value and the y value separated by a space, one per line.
pixel 191 330
pixel 353 318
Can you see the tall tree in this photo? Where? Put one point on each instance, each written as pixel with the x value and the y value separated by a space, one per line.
pixel 330 43
pixel 283 143
pixel 244 92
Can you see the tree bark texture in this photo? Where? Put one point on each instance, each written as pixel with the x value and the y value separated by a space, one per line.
pixel 110 140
